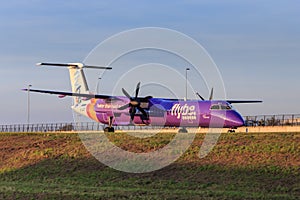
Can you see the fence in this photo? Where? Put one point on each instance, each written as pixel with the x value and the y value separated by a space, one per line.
pixel 259 120
pixel 57 127
pixel 273 120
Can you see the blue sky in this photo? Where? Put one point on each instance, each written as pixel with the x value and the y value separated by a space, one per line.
pixel 255 44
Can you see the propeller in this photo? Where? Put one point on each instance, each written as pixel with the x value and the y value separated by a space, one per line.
pixel 210 96
pixel 200 96
pixel 135 102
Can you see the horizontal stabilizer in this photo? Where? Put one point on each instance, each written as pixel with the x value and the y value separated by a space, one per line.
pixel 63 94
pixel 73 65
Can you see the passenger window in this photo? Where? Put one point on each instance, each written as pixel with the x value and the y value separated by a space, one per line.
pixel 220 107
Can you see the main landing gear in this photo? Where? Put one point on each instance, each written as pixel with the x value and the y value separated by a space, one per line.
pixel 109 129
pixel 182 130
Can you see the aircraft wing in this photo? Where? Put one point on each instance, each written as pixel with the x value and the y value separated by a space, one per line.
pixel 244 101
pixel 166 99
pixel 63 94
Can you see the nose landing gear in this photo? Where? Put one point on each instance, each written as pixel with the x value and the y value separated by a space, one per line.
pixel 232 130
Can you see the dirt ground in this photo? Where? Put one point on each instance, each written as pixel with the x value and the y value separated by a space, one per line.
pixel 249 166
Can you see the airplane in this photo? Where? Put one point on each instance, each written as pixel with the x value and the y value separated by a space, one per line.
pixel 135 110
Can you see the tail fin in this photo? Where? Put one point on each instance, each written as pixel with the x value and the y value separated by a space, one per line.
pixel 77 77
pixel 78 83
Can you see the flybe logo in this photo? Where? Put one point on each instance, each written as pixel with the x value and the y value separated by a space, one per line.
pixel 185 112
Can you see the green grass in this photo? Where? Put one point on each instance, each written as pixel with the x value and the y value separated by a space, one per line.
pixel 241 166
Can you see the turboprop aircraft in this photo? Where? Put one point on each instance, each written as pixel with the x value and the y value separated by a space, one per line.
pixel 135 110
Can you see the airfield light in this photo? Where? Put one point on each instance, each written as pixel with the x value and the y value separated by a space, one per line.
pixel 186 82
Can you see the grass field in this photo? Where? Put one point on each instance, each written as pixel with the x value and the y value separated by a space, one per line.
pixel 241 166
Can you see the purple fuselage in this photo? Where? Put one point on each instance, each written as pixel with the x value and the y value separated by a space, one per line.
pixel 164 112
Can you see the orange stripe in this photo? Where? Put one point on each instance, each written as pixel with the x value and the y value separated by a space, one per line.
pixel 90 110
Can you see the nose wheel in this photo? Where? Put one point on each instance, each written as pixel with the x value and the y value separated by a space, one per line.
pixel 109 129
pixel 232 130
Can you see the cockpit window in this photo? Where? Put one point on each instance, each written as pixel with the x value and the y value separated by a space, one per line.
pixel 225 107
pixel 220 107
pixel 215 107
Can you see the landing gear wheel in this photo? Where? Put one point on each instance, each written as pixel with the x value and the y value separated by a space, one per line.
pixel 231 131
pixel 182 130
pixel 109 130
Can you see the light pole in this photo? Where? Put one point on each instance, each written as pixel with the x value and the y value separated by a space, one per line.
pixel 186 82
pixel 28 104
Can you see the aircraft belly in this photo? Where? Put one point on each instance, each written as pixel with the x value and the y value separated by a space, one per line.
pixel 102 117
pixel 158 121
pixel 187 122
pixel 81 109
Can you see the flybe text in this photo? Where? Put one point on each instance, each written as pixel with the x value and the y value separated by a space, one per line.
pixel 185 111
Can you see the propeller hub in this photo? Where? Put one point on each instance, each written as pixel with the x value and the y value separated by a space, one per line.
pixel 134 103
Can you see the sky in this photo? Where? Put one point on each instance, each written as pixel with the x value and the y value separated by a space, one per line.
pixel 255 45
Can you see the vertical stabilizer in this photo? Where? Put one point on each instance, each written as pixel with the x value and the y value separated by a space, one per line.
pixel 78 82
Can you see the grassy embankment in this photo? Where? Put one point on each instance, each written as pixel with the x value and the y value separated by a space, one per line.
pixel 241 166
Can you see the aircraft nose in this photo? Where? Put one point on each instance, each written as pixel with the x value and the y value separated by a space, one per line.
pixel 235 120
pixel 239 120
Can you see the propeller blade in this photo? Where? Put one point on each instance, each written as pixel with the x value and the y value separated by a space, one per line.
pixel 142 111
pixel 211 94
pixel 200 96
pixel 132 113
pixel 124 107
pixel 137 89
pixel 126 93
pixel 131 117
